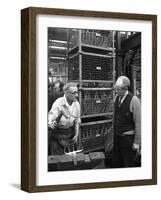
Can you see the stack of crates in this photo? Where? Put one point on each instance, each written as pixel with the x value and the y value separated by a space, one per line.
pixel 91 64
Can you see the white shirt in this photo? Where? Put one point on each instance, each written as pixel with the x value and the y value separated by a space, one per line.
pixel 71 113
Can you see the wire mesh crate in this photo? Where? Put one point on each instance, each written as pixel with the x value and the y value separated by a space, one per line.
pixel 93 68
pixel 96 68
pixel 93 134
pixel 96 101
pixel 99 38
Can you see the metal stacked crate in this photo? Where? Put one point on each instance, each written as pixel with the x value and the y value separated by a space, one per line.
pixel 96 68
pixel 96 38
pixel 93 135
pixel 91 64
pixel 97 101
pixel 93 68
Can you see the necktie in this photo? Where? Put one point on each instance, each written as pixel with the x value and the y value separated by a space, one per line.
pixel 120 101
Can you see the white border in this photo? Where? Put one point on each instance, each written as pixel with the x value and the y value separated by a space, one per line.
pixel 87 176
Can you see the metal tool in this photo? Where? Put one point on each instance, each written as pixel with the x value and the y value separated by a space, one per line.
pixel 72 150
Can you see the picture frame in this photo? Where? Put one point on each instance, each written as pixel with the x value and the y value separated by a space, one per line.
pixel 29 97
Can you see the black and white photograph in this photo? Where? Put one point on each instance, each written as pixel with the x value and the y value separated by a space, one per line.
pixel 94 99
pixel 89 99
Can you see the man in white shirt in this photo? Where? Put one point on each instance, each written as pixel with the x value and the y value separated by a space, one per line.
pixel 64 120
pixel 127 124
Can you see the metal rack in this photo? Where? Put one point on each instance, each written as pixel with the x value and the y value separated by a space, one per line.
pixel 91 63
pixel 137 73
pixel 58 71
pixel 57 55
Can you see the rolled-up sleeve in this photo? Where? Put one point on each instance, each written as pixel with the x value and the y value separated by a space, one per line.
pixel 135 108
pixel 53 113
pixel 78 119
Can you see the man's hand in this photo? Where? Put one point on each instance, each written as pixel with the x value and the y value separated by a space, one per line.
pixel 136 147
pixel 52 125
pixel 75 138
pixel 64 113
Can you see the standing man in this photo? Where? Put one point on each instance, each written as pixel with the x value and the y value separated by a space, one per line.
pixel 127 125
pixel 64 120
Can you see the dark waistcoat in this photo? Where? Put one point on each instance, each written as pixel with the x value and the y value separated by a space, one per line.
pixel 123 117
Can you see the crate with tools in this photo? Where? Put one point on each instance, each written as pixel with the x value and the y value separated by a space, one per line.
pixel 93 134
pixel 91 63
pixel 96 101
pixel 98 38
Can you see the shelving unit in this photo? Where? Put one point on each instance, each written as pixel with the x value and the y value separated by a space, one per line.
pixel 131 47
pixel 58 71
pixel 91 63
pixel 137 73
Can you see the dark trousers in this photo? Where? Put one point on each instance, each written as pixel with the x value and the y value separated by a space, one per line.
pixel 123 154
pixel 58 139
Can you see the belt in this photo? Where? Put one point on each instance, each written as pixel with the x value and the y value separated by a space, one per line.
pixel 132 132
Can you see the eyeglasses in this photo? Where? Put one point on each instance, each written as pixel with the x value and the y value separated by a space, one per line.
pixel 119 89
pixel 75 92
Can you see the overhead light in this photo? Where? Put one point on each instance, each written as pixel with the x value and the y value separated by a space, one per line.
pixel 57 58
pixel 122 32
pixel 98 34
pixel 56 47
pixel 59 41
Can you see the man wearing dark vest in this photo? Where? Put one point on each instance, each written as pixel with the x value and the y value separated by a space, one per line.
pixel 127 125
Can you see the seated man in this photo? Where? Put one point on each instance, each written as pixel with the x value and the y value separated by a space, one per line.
pixel 64 120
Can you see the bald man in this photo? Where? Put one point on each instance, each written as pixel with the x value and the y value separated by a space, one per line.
pixel 127 125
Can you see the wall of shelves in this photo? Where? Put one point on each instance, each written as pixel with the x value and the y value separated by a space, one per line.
pixel 131 47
